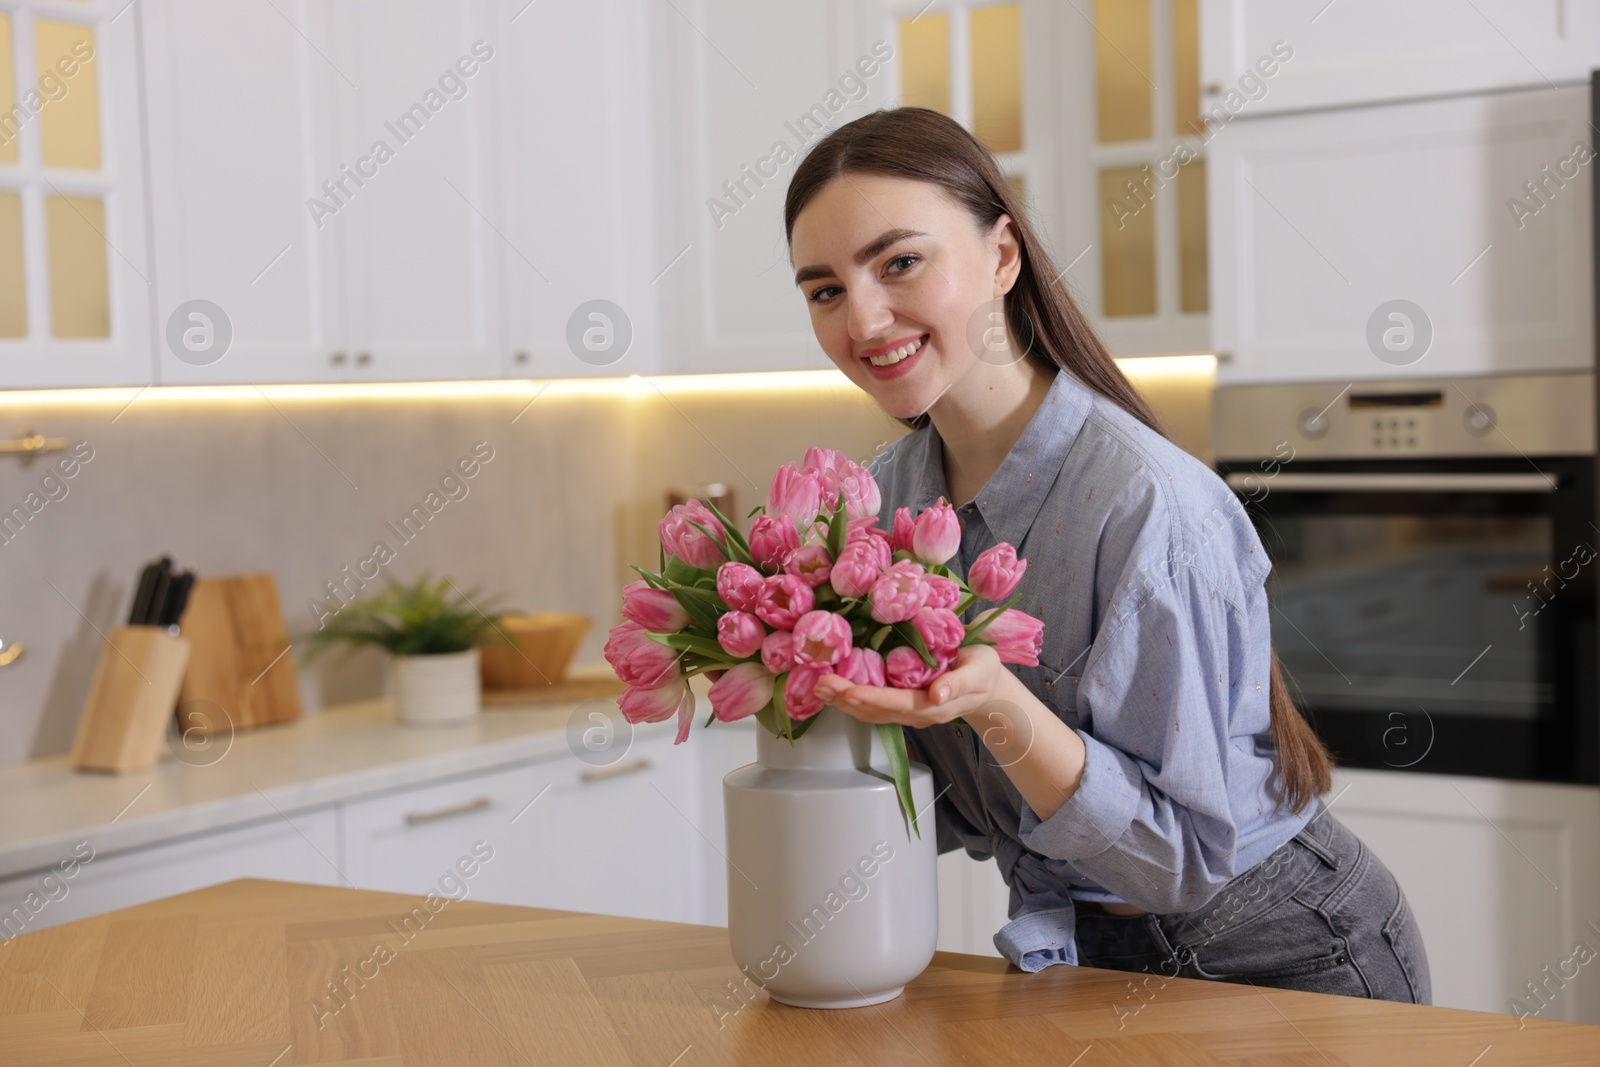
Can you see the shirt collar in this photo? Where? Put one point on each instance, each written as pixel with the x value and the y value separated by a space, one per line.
pixel 1010 500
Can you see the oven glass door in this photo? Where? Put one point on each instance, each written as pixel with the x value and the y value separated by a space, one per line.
pixel 1437 616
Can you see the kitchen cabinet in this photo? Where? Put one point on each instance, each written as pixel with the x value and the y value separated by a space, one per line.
pixel 1501 876
pixel 231 166
pixel 1474 210
pixel 578 165
pixel 1366 51
pixel 343 222
pixel 974 903
pixel 301 847
pixel 74 257
pixel 739 103
pixel 619 839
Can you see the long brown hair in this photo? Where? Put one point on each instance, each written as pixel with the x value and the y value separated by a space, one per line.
pixel 923 145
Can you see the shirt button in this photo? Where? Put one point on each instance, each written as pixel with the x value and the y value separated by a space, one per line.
pixel 1049 683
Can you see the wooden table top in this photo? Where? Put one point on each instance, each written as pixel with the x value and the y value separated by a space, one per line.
pixel 239 974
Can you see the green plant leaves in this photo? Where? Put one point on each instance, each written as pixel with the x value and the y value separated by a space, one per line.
pixel 424 617
pixel 894 746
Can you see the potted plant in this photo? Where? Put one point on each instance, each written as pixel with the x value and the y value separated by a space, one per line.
pixel 431 631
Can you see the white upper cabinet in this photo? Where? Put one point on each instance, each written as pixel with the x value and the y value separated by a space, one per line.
pixel 74 263
pixel 238 104
pixel 1475 211
pixel 1364 51
pixel 412 187
pixel 749 88
pixel 573 91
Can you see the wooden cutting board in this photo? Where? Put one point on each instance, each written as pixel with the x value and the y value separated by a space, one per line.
pixel 238 658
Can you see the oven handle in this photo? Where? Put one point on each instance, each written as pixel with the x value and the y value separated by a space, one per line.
pixel 1308 482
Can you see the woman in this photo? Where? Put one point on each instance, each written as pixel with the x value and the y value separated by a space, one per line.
pixel 1149 791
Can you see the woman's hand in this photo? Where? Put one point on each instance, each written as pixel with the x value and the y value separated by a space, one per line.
pixel 975 679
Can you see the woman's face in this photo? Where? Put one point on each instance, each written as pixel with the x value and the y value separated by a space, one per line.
pixel 892 265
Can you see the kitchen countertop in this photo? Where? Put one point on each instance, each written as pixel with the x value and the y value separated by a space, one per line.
pixel 339 753
pixel 240 973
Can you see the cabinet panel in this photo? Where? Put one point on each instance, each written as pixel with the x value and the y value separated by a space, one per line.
pixel 301 847
pixel 232 168
pixel 415 187
pixel 743 106
pixel 1501 876
pixel 618 840
pixel 1475 209
pixel 1361 51
pixel 73 240
pixel 578 165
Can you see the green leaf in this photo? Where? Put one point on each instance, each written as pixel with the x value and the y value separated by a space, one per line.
pixel 679 571
pixel 725 543
pixel 732 530
pixel 837 529
pixel 876 640
pixel 805 724
pixel 894 746
pixel 978 628
pixel 701 612
pixel 921 646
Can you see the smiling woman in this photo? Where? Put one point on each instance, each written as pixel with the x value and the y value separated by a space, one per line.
pixel 1153 761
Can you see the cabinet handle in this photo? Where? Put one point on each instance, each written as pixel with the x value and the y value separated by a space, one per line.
pixel 415 817
pixel 521 357
pixel 337 359
pixel 363 358
pixel 1213 88
pixel 595 774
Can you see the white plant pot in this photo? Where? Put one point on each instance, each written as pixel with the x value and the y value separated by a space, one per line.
pixel 833 902
pixel 438 690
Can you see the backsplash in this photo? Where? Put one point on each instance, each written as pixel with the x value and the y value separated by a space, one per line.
pixel 548 503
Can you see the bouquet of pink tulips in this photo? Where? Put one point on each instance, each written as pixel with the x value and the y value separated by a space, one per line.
pixel 815 589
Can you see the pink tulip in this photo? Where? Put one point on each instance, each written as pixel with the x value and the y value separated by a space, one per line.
pixel 899 592
pixel 784 598
pixel 864 528
pixel 900 538
pixel 660 704
pixel 795 493
pixel 821 637
pixel 639 659
pixel 799 691
pixel 740 633
pixel 905 669
pixel 777 651
pixel 829 465
pixel 654 609
pixel 943 592
pixel 772 538
pixel 862 666
pixel 996 572
pixel 942 631
pixel 936 534
pixel 858 566
pixel 862 497
pixel 741 692
pixel 1017 636
pixel 739 585
pixel 810 563
pixel 687 542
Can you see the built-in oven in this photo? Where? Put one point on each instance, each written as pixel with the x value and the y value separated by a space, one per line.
pixel 1434 548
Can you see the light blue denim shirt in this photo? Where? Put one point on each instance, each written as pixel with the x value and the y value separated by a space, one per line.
pixel 1148 576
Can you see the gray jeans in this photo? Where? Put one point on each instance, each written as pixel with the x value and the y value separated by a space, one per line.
pixel 1320 914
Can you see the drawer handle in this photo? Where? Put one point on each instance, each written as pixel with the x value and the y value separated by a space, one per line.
pixel 415 817
pixel 595 774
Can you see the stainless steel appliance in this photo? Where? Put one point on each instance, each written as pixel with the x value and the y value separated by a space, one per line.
pixel 1435 547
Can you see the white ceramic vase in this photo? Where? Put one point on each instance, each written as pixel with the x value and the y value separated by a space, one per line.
pixel 833 901
pixel 437 690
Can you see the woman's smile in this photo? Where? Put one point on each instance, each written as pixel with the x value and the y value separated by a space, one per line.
pixel 895 358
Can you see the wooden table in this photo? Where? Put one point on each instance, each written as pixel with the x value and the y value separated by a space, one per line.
pixel 239 974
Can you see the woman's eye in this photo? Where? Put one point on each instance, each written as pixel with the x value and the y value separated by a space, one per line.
pixel 818 297
pixel 903 259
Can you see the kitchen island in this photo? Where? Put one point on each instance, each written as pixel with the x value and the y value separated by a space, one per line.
pixel 277 973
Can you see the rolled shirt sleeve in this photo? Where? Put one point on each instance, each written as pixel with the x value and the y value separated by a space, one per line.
pixel 1151 819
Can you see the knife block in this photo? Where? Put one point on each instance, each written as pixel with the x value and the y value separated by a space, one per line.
pixel 131 698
